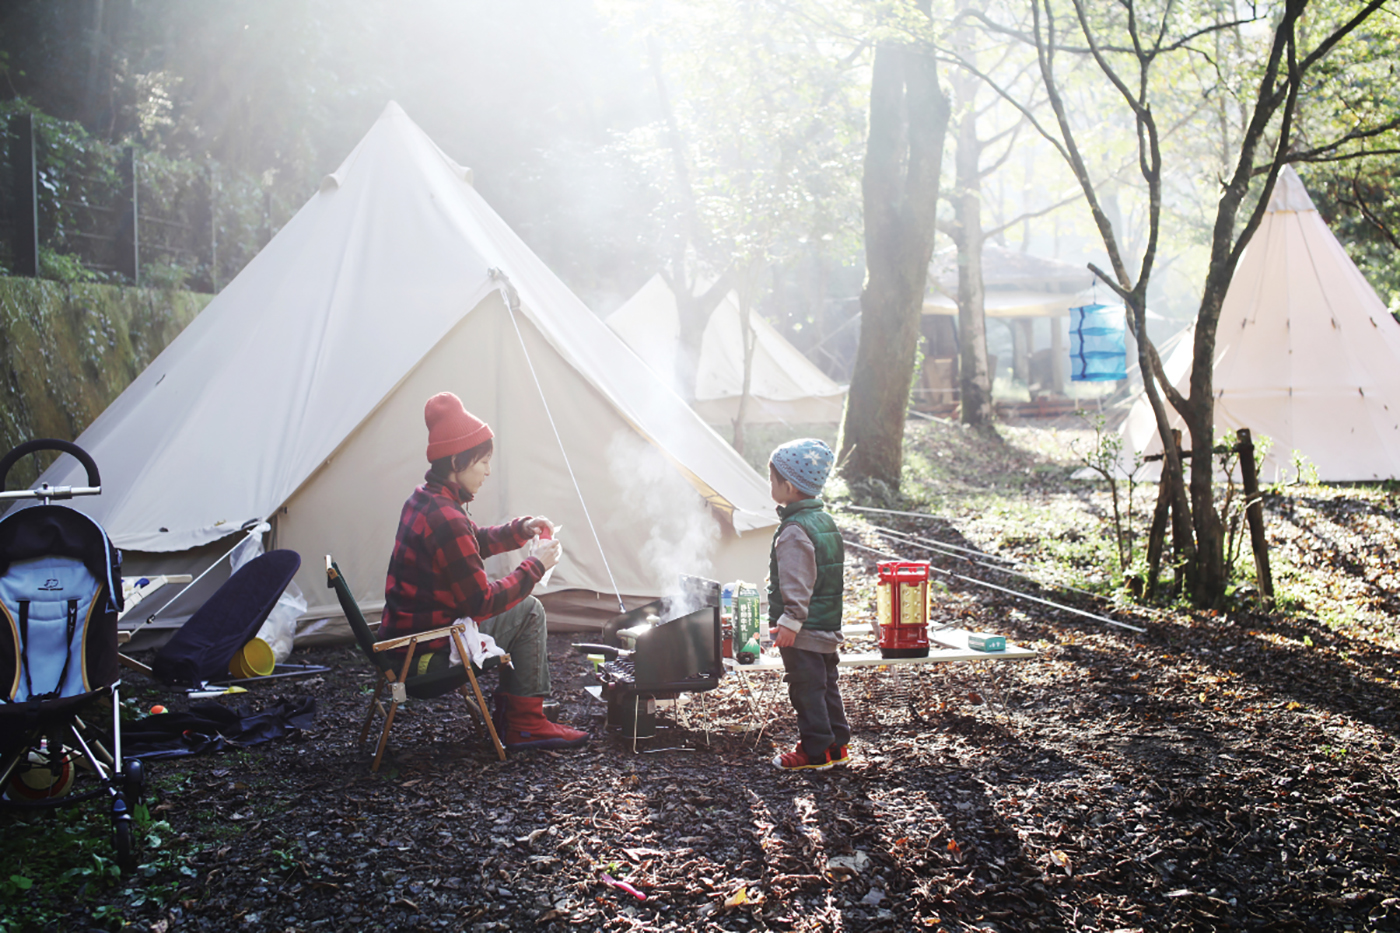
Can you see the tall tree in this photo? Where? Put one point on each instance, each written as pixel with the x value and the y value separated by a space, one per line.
pixel 903 157
pixel 974 381
pixel 971 118
pixel 758 121
pixel 1139 53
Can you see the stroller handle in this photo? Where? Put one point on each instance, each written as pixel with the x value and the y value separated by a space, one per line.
pixel 28 447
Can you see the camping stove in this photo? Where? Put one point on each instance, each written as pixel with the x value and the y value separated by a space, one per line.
pixel 657 652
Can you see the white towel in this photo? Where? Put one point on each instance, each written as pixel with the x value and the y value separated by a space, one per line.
pixel 479 646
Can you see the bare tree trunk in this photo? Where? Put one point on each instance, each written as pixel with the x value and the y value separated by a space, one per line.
pixel 748 338
pixel 974 382
pixel 908 122
pixel 693 310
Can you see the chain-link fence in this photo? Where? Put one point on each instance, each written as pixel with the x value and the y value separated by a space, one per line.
pixel 75 208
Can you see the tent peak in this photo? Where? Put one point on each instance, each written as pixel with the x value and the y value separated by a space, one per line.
pixel 397 127
pixel 1290 193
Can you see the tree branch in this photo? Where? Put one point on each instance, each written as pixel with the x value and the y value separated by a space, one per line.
pixel 1029 215
pixel 1314 154
pixel 1369 215
pixel 1341 33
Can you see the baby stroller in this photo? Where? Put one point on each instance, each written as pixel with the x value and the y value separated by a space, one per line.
pixel 60 593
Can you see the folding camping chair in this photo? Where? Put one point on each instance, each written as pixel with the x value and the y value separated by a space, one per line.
pixel 398 685
pixel 60 592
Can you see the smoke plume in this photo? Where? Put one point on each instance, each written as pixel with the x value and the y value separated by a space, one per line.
pixel 682 532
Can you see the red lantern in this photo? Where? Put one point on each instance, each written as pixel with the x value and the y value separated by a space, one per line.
pixel 901 602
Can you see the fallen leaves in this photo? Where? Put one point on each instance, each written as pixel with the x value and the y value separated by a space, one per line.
pixel 1106 762
pixel 1061 860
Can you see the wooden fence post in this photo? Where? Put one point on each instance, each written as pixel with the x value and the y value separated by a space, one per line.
pixel 128 239
pixel 25 238
pixel 1254 515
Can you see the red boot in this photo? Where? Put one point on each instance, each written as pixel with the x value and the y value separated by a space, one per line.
pixel 527 727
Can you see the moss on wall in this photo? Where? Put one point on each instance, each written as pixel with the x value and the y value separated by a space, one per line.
pixel 68 350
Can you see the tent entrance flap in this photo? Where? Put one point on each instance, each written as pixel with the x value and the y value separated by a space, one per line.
pixel 512 307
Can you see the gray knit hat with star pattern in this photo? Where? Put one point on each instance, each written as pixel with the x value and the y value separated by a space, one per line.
pixel 806 463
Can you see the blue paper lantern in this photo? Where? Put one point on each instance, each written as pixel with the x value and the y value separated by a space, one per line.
pixel 1098 343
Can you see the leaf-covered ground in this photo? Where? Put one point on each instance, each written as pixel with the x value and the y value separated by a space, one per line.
pixel 1231 770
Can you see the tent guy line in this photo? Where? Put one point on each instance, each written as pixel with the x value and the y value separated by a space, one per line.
pixel 942 544
pixel 1002 589
pixel 936 547
pixel 512 301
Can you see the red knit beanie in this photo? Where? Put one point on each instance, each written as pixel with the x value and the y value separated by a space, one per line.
pixel 451 428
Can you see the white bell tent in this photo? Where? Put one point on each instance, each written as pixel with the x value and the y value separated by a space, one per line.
pixel 1306 354
pixel 784 386
pixel 297 396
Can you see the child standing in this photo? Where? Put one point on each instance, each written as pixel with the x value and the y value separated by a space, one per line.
pixel 804 603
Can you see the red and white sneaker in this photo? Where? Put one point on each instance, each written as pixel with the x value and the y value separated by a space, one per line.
pixel 839 754
pixel 797 760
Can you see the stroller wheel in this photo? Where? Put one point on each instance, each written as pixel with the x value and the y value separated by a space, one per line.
pixel 123 839
pixel 126 851
pixel 134 783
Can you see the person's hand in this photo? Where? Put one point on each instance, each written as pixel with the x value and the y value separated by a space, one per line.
pixel 540 527
pixel 548 550
pixel 783 636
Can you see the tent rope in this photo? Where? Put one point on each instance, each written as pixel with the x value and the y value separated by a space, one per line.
pixel 512 303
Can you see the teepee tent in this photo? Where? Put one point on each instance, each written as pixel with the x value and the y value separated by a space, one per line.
pixel 297 396
pixel 784 386
pixel 1306 354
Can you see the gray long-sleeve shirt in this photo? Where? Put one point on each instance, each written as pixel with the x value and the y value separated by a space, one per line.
pixel 797 574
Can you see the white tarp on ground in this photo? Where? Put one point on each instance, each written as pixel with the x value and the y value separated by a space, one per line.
pixel 297 397
pixel 1306 354
pixel 784 386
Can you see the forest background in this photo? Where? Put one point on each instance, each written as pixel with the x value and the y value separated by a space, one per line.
pixel 615 136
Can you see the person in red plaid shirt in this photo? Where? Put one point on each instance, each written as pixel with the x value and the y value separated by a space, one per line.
pixel 436 575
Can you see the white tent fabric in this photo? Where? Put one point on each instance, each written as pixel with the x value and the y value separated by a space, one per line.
pixel 1306 354
pixel 784 386
pixel 297 397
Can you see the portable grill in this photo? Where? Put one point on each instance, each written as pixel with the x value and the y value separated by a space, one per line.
pixel 657 652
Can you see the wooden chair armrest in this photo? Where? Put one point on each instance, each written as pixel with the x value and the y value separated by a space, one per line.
pixel 419 637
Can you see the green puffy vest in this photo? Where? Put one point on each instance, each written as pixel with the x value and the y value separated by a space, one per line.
pixel 824 612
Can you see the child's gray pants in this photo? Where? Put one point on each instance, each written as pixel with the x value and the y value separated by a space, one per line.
pixel 812 686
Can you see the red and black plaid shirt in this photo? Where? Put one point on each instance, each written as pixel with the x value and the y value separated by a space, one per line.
pixel 436 575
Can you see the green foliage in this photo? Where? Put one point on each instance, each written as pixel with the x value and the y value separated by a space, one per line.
pixel 56 865
pixel 1105 457
pixel 756 162
pixel 70 349
pixel 64 268
pixel 1361 203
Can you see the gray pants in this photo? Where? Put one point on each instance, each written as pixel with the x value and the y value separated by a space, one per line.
pixel 812 687
pixel 521 632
